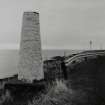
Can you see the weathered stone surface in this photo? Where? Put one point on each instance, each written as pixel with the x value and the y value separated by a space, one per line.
pixel 30 62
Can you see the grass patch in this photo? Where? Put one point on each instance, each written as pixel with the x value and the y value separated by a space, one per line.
pixel 58 94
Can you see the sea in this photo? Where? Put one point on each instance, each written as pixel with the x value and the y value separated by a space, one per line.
pixel 9 59
pixel 47 54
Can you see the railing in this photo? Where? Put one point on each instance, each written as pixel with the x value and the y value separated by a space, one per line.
pixel 82 55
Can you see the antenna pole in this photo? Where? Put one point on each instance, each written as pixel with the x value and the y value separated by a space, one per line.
pixel 90 45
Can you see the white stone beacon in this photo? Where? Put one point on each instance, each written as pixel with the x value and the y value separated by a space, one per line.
pixel 30 54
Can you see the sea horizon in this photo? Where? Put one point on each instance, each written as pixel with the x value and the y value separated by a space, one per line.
pixel 9 59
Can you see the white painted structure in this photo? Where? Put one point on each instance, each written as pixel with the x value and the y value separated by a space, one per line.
pixel 30 58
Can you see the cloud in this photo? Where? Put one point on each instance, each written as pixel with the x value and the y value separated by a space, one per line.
pixel 72 22
pixel 62 22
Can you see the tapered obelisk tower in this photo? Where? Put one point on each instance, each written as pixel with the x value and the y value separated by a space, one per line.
pixel 30 60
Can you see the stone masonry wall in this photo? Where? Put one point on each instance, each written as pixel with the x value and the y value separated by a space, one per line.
pixel 30 62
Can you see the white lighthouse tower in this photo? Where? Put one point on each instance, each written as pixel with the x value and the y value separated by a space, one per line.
pixel 30 55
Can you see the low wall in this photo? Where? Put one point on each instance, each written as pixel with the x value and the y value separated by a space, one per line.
pixel 89 76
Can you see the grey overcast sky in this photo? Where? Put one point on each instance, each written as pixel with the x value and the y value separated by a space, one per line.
pixel 63 23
